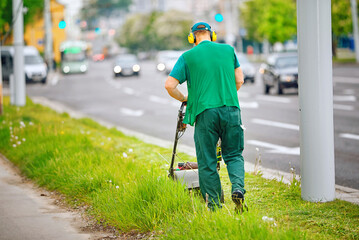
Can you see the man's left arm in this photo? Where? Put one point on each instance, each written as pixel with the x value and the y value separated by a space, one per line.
pixel 238 74
pixel 171 87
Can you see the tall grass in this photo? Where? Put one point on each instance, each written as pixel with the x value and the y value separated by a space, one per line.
pixel 124 182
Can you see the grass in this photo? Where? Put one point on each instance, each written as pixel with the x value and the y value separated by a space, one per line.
pixel 123 182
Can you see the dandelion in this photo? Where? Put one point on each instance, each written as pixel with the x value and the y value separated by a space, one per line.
pixel 14 145
pixel 23 139
pixel 124 155
pixel 10 128
pixel 22 124
pixel 109 139
pixel 117 187
pixel 31 123
pixel 110 181
pixel 102 143
pixel 62 132
pixel 88 132
pixel 130 150
pixel 19 142
pixel 16 137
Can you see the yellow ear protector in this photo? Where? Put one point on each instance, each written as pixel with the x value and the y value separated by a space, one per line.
pixel 201 26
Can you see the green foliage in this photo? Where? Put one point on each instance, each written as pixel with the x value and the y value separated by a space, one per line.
pixel 342 23
pixel 274 20
pixel 94 9
pixel 123 183
pixel 166 30
pixel 34 8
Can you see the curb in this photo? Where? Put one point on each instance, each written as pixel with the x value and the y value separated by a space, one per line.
pixel 343 193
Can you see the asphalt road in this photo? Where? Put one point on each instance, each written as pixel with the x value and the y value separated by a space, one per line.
pixel 272 122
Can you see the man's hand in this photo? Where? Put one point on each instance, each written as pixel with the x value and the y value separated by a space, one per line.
pixel 171 87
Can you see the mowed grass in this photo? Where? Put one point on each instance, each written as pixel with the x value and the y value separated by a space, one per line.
pixel 123 182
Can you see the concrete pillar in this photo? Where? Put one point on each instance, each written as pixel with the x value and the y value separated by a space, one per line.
pixel 316 100
pixel 19 72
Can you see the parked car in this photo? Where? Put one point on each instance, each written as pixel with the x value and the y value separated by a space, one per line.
pixel 247 67
pixel 126 65
pixel 35 69
pixel 166 60
pixel 279 72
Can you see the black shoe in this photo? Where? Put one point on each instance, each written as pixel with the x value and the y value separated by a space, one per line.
pixel 238 199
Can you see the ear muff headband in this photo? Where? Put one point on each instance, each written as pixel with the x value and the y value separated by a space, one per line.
pixel 192 38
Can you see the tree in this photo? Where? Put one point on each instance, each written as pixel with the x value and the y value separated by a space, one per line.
pixel 93 9
pixel 342 24
pixel 34 7
pixel 143 32
pixel 273 20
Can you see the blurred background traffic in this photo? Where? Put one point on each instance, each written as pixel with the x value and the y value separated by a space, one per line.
pixel 110 58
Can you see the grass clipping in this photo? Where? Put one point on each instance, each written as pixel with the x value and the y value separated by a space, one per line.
pixel 124 183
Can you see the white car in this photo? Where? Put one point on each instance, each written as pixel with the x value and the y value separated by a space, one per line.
pixel 167 59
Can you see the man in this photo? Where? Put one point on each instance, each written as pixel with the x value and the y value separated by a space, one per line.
pixel 213 77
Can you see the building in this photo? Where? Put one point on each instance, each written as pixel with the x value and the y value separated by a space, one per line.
pixel 35 34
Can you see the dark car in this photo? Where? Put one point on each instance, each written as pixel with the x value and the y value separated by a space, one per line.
pixel 280 72
pixel 126 65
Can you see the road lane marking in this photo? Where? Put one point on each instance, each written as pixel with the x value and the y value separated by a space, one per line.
pixel 248 104
pixel 275 124
pixel 275 148
pixel 55 80
pixel 114 84
pixel 157 99
pixel 129 91
pixel 343 107
pixel 344 98
pixel 346 80
pixel 349 136
pixel 349 91
pixel 273 99
pixel 131 112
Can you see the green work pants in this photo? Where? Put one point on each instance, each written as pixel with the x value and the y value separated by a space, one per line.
pixel 214 123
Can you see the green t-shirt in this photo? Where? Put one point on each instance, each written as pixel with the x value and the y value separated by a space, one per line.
pixel 208 69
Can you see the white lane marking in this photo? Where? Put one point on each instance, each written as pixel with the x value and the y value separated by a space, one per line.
pixel 129 91
pixel 131 113
pixel 275 124
pixel 275 148
pixel 349 136
pixel 346 80
pixel 273 99
pixel 248 104
pixel 343 107
pixel 55 80
pixel 157 99
pixel 344 98
pixel 114 84
pixel 349 91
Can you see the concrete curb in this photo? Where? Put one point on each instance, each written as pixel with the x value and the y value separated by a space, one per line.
pixel 342 193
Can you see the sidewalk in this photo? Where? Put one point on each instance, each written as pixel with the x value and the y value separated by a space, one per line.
pixel 343 193
pixel 25 214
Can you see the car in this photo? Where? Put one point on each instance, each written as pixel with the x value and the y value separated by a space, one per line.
pixel 35 68
pixel 126 65
pixel 279 72
pixel 167 59
pixel 247 67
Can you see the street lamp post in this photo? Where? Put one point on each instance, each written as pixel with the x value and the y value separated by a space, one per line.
pixel 316 100
pixel 355 28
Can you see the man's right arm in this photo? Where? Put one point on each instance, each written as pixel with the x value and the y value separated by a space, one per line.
pixel 238 74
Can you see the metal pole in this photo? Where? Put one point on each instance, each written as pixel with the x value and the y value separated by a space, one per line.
pixel 355 28
pixel 48 35
pixel 316 100
pixel 19 73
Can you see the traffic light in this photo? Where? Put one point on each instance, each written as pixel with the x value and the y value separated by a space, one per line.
pixel 97 30
pixel 62 24
pixel 218 17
